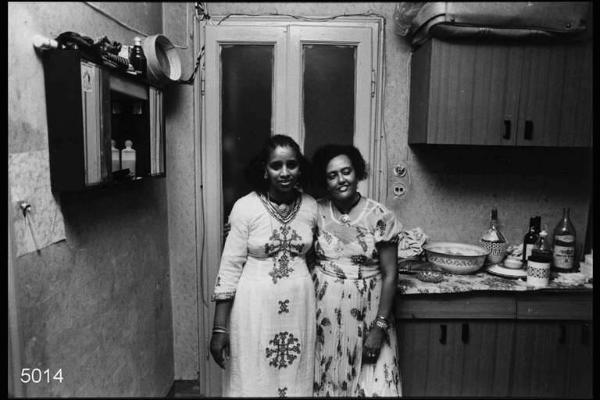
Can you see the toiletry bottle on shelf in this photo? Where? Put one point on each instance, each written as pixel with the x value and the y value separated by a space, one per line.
pixel 137 57
pixel 494 241
pixel 128 158
pixel 116 156
pixel 531 237
pixel 564 244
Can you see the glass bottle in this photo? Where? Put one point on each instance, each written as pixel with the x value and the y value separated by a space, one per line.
pixel 494 241
pixel 542 251
pixel 128 158
pixel 137 57
pixel 563 252
pixel 530 238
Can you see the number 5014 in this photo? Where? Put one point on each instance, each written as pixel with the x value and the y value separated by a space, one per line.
pixel 36 375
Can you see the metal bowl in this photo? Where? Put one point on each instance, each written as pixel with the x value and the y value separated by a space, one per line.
pixel 457 258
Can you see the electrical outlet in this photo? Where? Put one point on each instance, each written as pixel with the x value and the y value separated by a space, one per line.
pixel 400 170
pixel 399 190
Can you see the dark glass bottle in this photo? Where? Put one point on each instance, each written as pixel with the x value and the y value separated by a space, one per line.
pixel 137 57
pixel 563 252
pixel 531 237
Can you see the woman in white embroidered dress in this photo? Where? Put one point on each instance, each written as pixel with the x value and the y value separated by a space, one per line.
pixel 355 281
pixel 264 331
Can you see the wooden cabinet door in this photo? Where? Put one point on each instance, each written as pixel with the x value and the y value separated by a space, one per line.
pixel 580 361
pixel 556 96
pixel 430 357
pixel 541 354
pixel 455 358
pixel 487 349
pixel 465 93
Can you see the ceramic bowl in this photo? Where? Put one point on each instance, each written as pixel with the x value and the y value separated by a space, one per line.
pixel 513 262
pixel 454 257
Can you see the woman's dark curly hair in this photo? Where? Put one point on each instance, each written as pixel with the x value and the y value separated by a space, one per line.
pixel 324 154
pixel 255 171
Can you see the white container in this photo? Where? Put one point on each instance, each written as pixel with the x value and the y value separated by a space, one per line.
pixel 128 158
pixel 586 269
pixel 116 157
pixel 538 273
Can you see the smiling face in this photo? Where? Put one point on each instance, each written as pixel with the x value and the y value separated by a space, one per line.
pixel 283 170
pixel 341 178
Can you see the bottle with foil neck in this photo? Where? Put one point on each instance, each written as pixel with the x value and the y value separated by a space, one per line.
pixel 494 241
pixel 493 234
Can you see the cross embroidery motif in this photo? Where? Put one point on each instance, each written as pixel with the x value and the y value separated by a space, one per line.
pixel 283 350
pixel 283 246
pixel 284 306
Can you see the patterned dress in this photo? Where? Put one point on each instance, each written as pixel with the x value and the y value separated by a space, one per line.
pixel 348 285
pixel 263 267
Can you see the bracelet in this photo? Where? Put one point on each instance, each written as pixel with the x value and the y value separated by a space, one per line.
pixel 382 322
pixel 220 329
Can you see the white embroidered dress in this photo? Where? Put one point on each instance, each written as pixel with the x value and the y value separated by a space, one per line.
pixel 272 329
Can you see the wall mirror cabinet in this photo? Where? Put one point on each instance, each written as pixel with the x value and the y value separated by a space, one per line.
pixel 93 112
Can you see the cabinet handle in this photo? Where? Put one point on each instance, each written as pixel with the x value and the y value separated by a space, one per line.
pixel 562 339
pixel 507 124
pixel 465 333
pixel 443 332
pixel 528 129
pixel 585 334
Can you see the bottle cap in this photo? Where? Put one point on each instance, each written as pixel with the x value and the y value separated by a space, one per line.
pixel 137 41
pixel 128 143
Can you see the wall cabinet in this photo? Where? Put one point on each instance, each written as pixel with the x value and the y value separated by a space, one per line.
pixel 477 93
pixel 88 106
pixel 496 345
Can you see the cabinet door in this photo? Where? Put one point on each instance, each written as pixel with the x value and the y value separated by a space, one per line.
pixel 487 357
pixel 580 362
pixel 541 359
pixel 465 93
pixel 430 357
pixel 455 358
pixel 556 96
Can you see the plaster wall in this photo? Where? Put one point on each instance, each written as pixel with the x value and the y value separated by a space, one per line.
pixel 96 305
pixel 451 190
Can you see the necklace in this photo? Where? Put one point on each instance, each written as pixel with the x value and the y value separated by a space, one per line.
pixel 282 214
pixel 345 217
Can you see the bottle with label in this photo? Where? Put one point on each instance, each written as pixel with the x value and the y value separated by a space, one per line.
pixel 116 156
pixel 564 243
pixel 128 158
pixel 531 237
pixel 137 57
pixel 494 241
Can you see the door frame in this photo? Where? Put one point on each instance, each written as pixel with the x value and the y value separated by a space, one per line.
pixel 207 149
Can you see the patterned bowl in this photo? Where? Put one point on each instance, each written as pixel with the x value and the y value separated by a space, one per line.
pixel 457 258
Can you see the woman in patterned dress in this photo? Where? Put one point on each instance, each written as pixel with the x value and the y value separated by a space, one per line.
pixel 264 332
pixel 355 281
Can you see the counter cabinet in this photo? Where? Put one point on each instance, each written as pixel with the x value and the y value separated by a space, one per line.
pixel 496 344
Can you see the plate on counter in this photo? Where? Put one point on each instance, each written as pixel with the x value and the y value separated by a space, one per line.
pixel 506 272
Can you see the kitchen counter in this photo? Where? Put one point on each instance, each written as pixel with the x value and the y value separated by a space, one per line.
pixel 408 284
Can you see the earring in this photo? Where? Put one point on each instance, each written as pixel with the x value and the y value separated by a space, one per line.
pixel 265 177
